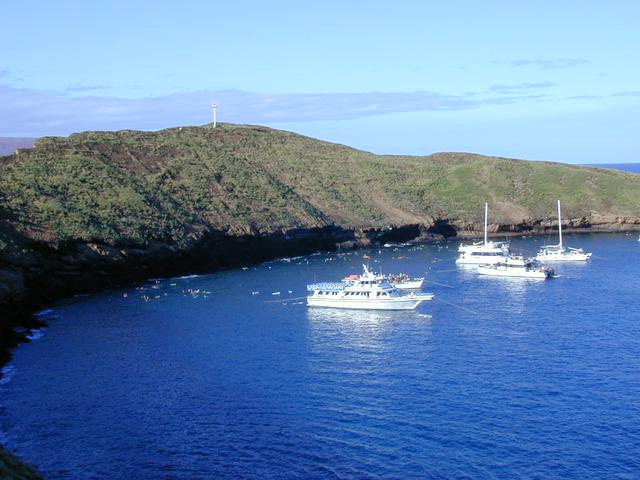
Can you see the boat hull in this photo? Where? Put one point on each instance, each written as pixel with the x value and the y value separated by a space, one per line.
pixel 506 272
pixel 405 303
pixel 480 260
pixel 571 257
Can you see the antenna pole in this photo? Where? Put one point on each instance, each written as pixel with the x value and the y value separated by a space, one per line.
pixel 559 224
pixel 486 215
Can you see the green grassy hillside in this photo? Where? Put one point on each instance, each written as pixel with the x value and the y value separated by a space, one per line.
pixel 172 185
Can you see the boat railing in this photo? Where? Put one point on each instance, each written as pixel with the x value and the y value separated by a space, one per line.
pixel 326 286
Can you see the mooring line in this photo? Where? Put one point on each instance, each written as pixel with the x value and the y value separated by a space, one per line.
pixel 281 300
pixel 444 271
pixel 441 284
pixel 457 306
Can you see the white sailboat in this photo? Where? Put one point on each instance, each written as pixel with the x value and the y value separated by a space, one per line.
pixel 483 253
pixel 558 253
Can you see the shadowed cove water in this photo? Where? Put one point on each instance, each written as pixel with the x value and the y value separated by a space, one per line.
pixel 221 376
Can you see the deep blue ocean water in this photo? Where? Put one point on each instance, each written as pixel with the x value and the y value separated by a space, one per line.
pixel 625 167
pixel 217 376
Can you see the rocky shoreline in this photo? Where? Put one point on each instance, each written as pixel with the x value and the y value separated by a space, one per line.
pixel 13 468
pixel 80 267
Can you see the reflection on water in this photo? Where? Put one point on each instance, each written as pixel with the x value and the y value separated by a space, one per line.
pixel 372 334
pixel 359 318
pixel 364 351
pixel 356 328
pixel 516 292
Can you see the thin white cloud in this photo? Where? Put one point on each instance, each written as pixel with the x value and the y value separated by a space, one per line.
pixel 76 87
pixel 549 63
pixel 32 112
pixel 629 93
pixel 520 88
pixel 27 112
pixel 584 97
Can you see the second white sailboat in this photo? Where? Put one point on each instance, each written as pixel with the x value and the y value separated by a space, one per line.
pixel 559 253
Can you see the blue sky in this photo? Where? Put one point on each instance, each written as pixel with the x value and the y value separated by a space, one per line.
pixel 555 81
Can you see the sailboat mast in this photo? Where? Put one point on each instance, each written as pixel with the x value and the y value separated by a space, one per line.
pixel 486 214
pixel 559 224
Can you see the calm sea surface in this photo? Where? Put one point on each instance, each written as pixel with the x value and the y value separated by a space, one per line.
pixel 626 167
pixel 217 376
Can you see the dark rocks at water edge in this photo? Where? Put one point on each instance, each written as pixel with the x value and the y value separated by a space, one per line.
pixel 13 469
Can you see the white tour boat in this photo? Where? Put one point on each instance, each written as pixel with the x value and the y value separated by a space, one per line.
pixel 367 291
pixel 558 253
pixel 483 253
pixel 404 282
pixel 516 266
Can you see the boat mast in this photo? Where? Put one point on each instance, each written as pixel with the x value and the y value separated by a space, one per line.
pixel 486 214
pixel 559 225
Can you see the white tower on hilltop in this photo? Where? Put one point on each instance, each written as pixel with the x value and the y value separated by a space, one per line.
pixel 214 106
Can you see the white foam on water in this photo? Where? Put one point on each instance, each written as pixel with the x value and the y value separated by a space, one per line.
pixel 36 334
pixel 7 374
pixel 44 313
pixel 188 276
